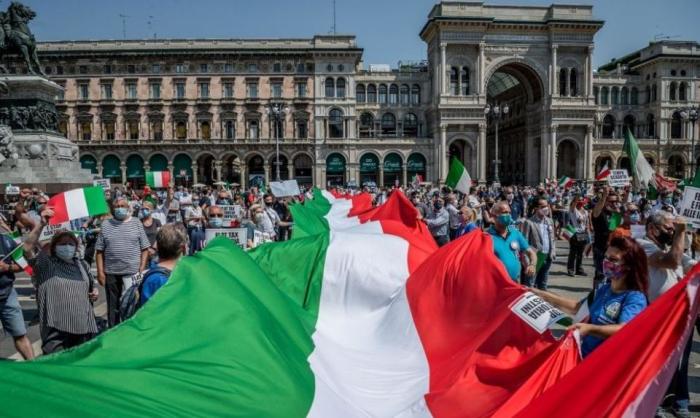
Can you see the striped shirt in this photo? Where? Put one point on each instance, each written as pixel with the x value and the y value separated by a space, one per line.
pixel 62 294
pixel 122 244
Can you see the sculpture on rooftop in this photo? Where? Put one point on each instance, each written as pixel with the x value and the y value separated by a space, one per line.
pixel 15 36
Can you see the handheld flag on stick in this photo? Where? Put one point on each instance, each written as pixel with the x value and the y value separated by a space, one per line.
pixel 642 173
pixel 158 179
pixel 566 182
pixel 604 172
pixel 458 177
pixel 78 203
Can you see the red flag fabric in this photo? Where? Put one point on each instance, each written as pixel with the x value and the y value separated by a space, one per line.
pixel 604 172
pixel 665 184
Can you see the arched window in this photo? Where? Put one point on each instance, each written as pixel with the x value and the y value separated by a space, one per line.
pixel 205 130
pixel 405 95
pixel 340 88
pixel 394 94
pixel 388 125
pixel 410 125
pixel 382 94
pixel 608 126
pixel 573 79
pixel 464 76
pixel 672 91
pixel 647 94
pixel 335 123
pixel 615 99
pixel 625 95
pixel 596 95
pixel 371 93
pixel 604 96
pixel 653 93
pixel 415 94
pixel 676 125
pixel 651 126
pixel 454 80
pixel 330 87
pixel 366 125
pixel 629 123
pixel 562 82
pixel 360 93
pixel 181 130
pixel 634 97
pixel 682 90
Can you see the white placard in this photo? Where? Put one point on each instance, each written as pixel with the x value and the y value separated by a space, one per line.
pixel 106 184
pixel 690 206
pixel 618 178
pixel 50 230
pixel 12 190
pixel 536 312
pixel 237 235
pixel 285 188
pixel 231 212
pixel 637 231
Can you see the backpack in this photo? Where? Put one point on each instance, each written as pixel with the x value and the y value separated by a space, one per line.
pixel 130 300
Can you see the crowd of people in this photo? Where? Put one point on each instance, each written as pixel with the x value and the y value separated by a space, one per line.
pixel 639 247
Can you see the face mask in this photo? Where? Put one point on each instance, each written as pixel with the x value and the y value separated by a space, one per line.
pixel 145 213
pixel 121 213
pixel 668 201
pixel 612 270
pixel 509 196
pixel 635 218
pixel 437 205
pixel 543 212
pixel 216 222
pixel 505 219
pixel 664 238
pixel 65 252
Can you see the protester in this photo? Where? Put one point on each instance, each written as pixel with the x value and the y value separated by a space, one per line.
pixel 455 222
pixel 467 221
pixel 539 233
pixel 438 221
pixel 121 251
pixel 171 242
pixel 614 303
pixel 578 220
pixel 631 215
pixel 194 218
pixel 509 244
pixel 607 206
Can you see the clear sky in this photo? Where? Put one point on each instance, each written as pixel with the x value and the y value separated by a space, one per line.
pixel 386 29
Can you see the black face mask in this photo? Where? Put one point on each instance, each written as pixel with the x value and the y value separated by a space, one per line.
pixel 438 206
pixel 664 238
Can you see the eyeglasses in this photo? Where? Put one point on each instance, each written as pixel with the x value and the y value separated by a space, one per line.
pixel 216 215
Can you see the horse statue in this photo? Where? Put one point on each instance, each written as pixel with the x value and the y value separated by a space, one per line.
pixel 15 36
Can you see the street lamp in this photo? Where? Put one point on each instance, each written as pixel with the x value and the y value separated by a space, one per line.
pixel 277 111
pixel 496 113
pixel 691 114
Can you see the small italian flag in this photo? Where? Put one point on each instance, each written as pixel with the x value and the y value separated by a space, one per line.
pixel 458 177
pixel 18 257
pixel 158 179
pixel 78 203
pixel 566 182
pixel 604 172
pixel 416 180
pixel 16 236
pixel 568 232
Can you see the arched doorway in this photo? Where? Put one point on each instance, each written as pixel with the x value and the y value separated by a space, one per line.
pixel 158 162
pixel 231 169
pixel 416 166
pixel 284 174
pixel 182 167
pixel 335 170
pixel 205 169
pixel 566 159
pixel 676 167
pixel 303 170
pixel 369 170
pixel 256 171
pixel 393 170
pixel 134 171
pixel 88 162
pixel 111 169
pixel 518 86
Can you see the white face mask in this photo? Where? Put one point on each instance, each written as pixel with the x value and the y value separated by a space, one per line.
pixel 65 252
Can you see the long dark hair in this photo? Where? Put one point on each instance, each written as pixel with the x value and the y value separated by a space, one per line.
pixel 635 261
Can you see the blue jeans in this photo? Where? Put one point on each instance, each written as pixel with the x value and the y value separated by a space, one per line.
pixel 196 238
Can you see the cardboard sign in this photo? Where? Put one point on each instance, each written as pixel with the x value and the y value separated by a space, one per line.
pixel 106 184
pixel 50 230
pixel 618 178
pixel 285 188
pixel 237 235
pixel 690 206
pixel 536 312
pixel 231 212
pixel 12 190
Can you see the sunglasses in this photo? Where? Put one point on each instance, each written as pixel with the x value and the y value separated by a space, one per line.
pixel 216 215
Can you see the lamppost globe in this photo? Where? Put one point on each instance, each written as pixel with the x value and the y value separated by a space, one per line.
pixel 505 109
pixel 684 114
pixel 487 110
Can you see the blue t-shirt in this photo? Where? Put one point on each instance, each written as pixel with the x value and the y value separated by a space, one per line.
pixel 610 308
pixel 151 284
pixel 508 249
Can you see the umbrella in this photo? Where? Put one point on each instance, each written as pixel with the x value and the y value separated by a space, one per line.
pixel 199 185
pixel 220 183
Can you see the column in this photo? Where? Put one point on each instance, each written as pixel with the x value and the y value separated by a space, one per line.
pixel 588 169
pixel 589 72
pixel 290 171
pixel 567 91
pixel 555 74
pixel 404 174
pixel 442 156
pixel 544 153
pixel 122 168
pixel 99 169
pixel 482 82
pixel 243 167
pixel 443 68
pixel 217 168
pixel 171 169
pixel 195 173
pixel 553 152
pixel 267 174
pixel 482 153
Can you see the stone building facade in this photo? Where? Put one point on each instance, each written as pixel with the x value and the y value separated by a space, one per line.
pixel 218 110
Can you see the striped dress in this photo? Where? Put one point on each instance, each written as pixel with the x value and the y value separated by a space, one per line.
pixel 62 294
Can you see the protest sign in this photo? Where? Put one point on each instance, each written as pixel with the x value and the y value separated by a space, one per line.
pixel 237 235
pixel 637 231
pixel 104 183
pixel 50 230
pixel 536 312
pixel 618 178
pixel 12 190
pixel 690 206
pixel 284 188
pixel 231 212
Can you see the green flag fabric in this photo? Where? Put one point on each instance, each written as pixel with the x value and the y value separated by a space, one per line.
pixel 615 221
pixel 458 178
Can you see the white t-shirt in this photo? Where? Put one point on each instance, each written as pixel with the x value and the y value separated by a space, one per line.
pixel 662 279
pixel 193 212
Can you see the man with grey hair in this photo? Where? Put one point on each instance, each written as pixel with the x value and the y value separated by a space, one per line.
pixel 508 242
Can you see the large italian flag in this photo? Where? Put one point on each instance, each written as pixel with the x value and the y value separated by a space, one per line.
pixel 158 179
pixel 642 173
pixel 77 203
pixel 359 315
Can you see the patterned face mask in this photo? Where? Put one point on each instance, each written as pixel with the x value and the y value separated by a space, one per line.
pixel 613 270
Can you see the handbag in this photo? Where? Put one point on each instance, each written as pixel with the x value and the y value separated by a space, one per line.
pixel 582 237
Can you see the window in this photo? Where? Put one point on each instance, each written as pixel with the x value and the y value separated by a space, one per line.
pixel 181 130
pixel 179 68
pixel 155 68
pixel 330 87
pixel 204 68
pixel 131 68
pixel 682 88
pixel 676 126
pixel 596 95
pixel 253 90
pixel 302 129
pixel 300 67
pixel 180 90
pixel 228 68
pixel 454 80
pixel 301 90
pixel 360 93
pixel 340 88
pixel 252 68
pixel 562 82
pixel 405 95
pixel 132 127
pixel 371 93
pixel 106 90
pixel 653 93
pixel 59 69
pixel 203 90
pixel 131 90
pixel 86 130
pixel 277 128
pixel 573 79
pixel 47 70
pixel 108 69
pixel 341 67
pixel 109 130
pixel 335 124
pixel 388 125
pixel 83 69
pixel 629 124
pixel 464 78
pixel 604 96
pixel 648 94
pixel 205 130
pixel 415 94
pixel 672 91
pixel 329 67
pixel 634 96
pixel 615 98
pixel 253 129
pixel 155 90
pixel 673 73
pixel 63 128
pixel 393 94
pixel 366 125
pixel 276 67
pixel 157 130
pixel 228 90
pixel 229 129
pixel 683 73
pixel 608 126
pixel 84 91
pixel 651 126
pixel 277 90
pixel 625 95
pixel 410 125
pixel 382 94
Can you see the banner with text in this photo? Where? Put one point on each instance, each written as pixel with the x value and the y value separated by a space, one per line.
pixel 536 312
pixel 237 235
pixel 618 178
pixel 690 205
pixel 106 184
pixel 231 212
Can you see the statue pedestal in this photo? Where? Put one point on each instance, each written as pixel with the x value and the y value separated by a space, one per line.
pixel 46 159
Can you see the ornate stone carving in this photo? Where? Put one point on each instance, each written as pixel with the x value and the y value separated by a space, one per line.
pixel 40 117
pixel 15 36
pixel 8 150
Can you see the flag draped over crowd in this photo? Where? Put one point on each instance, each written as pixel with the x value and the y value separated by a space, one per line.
pixel 358 315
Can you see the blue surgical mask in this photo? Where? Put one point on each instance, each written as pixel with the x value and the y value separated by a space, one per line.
pixel 505 219
pixel 216 222
pixel 145 213
pixel 635 218
pixel 121 213
pixel 65 252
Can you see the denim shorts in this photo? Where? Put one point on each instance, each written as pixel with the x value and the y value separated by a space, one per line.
pixel 11 316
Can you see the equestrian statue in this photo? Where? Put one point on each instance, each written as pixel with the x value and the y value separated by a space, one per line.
pixel 16 38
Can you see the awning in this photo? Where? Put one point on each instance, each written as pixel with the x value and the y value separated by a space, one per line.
pixel 110 167
pixel 369 163
pixel 392 163
pixel 335 163
pixel 134 167
pixel 158 162
pixel 89 162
